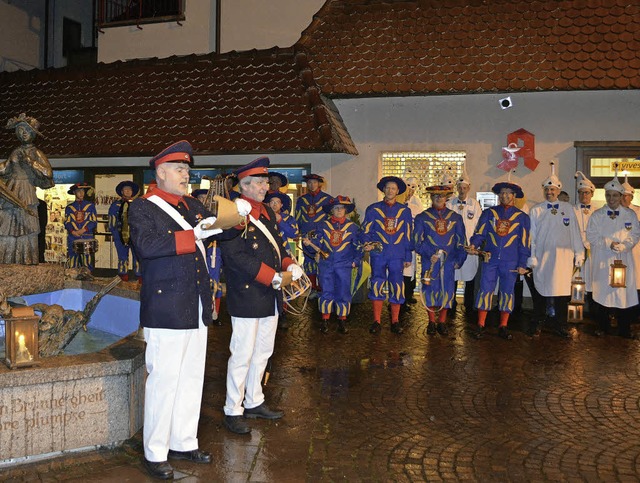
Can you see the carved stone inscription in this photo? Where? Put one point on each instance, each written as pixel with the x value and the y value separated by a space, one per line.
pixel 35 413
pixel 46 418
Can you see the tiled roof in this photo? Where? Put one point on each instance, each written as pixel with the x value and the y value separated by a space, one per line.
pixel 250 102
pixel 386 47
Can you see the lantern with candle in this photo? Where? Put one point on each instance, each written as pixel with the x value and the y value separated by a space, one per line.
pixel 576 304
pixel 21 338
pixel 618 274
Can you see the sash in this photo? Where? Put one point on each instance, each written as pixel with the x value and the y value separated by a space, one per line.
pixel 173 213
pixel 268 234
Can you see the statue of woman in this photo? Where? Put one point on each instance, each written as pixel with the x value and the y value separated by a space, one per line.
pixel 25 168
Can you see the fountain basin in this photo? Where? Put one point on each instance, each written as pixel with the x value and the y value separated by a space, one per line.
pixel 75 402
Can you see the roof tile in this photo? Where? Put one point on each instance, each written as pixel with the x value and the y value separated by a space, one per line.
pixel 250 102
pixel 459 36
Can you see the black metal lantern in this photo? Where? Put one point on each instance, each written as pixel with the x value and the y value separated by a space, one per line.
pixel 21 338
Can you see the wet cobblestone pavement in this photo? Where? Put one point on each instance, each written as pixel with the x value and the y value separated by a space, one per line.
pixel 362 407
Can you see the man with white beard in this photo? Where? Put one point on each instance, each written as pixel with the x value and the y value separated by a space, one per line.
pixel 556 248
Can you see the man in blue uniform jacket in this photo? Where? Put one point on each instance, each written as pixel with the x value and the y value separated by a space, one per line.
pixel 254 264
pixel 167 231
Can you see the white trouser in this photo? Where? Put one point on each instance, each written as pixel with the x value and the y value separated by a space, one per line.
pixel 251 346
pixel 175 361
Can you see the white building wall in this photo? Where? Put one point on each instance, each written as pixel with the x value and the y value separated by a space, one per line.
pixel 476 124
pixel 256 24
pixel 196 35
pixel 21 35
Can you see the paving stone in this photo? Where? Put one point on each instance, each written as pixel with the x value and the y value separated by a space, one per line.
pixel 411 408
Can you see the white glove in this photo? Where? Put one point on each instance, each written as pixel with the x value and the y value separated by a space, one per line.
pixel 296 271
pixel 618 247
pixel 244 207
pixel 202 233
pixel 579 261
pixel 532 262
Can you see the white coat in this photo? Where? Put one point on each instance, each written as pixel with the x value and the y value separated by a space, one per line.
pixel 602 230
pixel 470 212
pixel 416 207
pixel 583 215
pixel 636 250
pixel 555 240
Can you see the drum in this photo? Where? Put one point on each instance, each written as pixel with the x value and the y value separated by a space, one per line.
pixel 296 289
pixel 88 246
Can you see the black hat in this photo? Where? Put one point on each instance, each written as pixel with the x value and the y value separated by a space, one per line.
pixel 402 186
pixel 123 184
pixel 339 201
pixel 79 186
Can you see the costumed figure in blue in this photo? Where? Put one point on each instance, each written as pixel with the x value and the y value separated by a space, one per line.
pixel 308 214
pixel 278 183
pixel 119 228
pixel 502 236
pixel 286 222
pixel 214 264
pixel 288 231
pixel 388 223
pixel 80 221
pixel 336 242
pixel 439 238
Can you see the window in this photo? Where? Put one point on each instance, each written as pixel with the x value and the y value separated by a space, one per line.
pixel 114 13
pixel 598 159
pixel 428 167
pixel 71 36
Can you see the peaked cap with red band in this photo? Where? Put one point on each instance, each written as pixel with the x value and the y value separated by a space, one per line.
pixel 180 152
pixel 257 167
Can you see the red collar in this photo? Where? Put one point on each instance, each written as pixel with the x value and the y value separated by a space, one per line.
pixel 506 206
pixel 338 220
pixel 389 203
pixel 257 208
pixel 170 198
pixel 314 193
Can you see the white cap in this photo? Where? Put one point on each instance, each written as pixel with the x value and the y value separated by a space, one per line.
pixel 584 182
pixel 412 182
pixel 447 180
pixel 464 179
pixel 614 184
pixel 628 189
pixel 552 180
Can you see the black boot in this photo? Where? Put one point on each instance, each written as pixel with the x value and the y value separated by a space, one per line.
pixel 324 326
pixel 342 326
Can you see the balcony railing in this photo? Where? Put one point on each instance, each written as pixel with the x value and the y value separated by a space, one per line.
pixel 115 13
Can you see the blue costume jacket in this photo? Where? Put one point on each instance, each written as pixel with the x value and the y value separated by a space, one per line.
pixel 122 246
pixel 338 239
pixel 308 214
pixel 503 231
pixel 390 225
pixel 433 231
pixel 78 215
pixel 214 262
